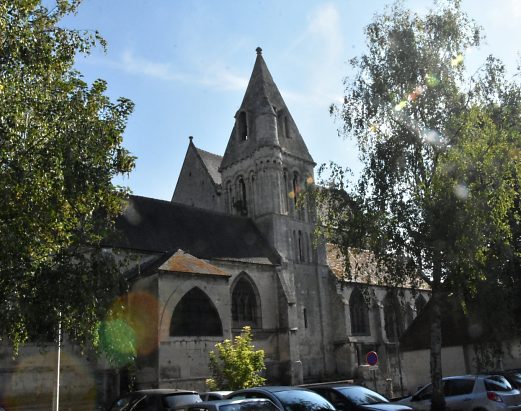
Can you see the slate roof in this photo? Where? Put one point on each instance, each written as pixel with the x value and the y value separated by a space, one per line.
pixel 261 96
pixel 212 163
pixel 151 225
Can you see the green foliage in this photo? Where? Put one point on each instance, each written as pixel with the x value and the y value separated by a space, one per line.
pixel 438 199
pixel 60 147
pixel 236 364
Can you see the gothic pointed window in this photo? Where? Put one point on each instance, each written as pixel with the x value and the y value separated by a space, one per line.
pixel 285 192
pixel 240 204
pixel 359 312
pixel 300 247
pixel 287 130
pixel 195 315
pixel 242 126
pixel 393 317
pixel 296 189
pixel 245 304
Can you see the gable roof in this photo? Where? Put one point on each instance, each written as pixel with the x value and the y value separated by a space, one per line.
pixel 151 225
pixel 212 162
pixel 181 262
pixel 263 97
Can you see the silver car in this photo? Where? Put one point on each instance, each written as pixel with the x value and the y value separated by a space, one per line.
pixel 470 393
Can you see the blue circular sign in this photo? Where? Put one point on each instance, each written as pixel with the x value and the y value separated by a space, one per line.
pixel 372 358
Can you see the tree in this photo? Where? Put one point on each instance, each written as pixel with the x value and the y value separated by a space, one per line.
pixel 236 364
pixel 60 147
pixel 438 196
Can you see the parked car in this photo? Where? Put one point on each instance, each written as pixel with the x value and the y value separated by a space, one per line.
pixel 470 393
pixel 287 398
pixel 214 395
pixel 347 397
pixel 250 404
pixel 155 400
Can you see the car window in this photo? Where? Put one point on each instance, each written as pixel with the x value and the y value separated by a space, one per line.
pixel 514 379
pixel 250 406
pixel 497 383
pixel 362 395
pixel 424 394
pixel 176 400
pixel 461 386
pixel 125 403
pixel 303 400
pixel 337 399
pixel 146 403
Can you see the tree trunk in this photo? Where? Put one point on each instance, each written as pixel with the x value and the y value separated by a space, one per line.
pixel 438 399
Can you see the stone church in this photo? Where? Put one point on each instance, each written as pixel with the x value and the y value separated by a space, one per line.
pixel 235 246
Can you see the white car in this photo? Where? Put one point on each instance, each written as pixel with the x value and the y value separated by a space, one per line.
pixel 470 393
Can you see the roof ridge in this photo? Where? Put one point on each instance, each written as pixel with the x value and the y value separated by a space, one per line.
pixel 207 152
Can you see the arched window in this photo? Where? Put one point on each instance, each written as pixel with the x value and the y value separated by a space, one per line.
pixel 240 204
pixel 359 313
pixel 287 130
pixel 300 246
pixel 285 192
pixel 195 315
pixel 420 304
pixel 295 188
pixel 242 126
pixel 392 317
pixel 245 304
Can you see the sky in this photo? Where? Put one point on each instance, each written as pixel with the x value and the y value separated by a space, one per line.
pixel 186 64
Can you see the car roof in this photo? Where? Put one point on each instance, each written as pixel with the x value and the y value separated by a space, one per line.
pixel 273 388
pixel 162 391
pixel 229 401
pixel 333 385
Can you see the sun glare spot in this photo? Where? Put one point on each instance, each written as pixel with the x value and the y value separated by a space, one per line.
pixel 400 106
pixel 461 191
pixel 456 61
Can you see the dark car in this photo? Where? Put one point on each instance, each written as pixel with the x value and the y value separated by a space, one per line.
pixel 287 398
pixel 347 397
pixel 250 404
pixel 155 400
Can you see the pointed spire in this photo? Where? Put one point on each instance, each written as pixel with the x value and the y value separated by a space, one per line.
pixel 267 116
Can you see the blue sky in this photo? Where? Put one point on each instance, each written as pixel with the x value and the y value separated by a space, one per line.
pixel 186 64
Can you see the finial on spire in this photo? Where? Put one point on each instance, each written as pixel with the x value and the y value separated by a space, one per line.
pixel 191 138
pixel 259 51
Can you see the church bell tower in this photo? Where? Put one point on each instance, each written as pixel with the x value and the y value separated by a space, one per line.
pixel 267 169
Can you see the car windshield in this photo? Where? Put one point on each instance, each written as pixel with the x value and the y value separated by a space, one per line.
pixel 175 400
pixel 303 400
pixel 497 383
pixel 250 406
pixel 362 396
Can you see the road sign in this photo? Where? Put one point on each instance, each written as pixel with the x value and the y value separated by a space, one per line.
pixel 371 358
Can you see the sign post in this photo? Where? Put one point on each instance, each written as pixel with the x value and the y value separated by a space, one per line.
pixel 372 359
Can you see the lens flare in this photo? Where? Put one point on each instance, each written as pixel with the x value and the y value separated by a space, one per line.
pixel 456 61
pixel 400 106
pixel 131 327
pixel 461 191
